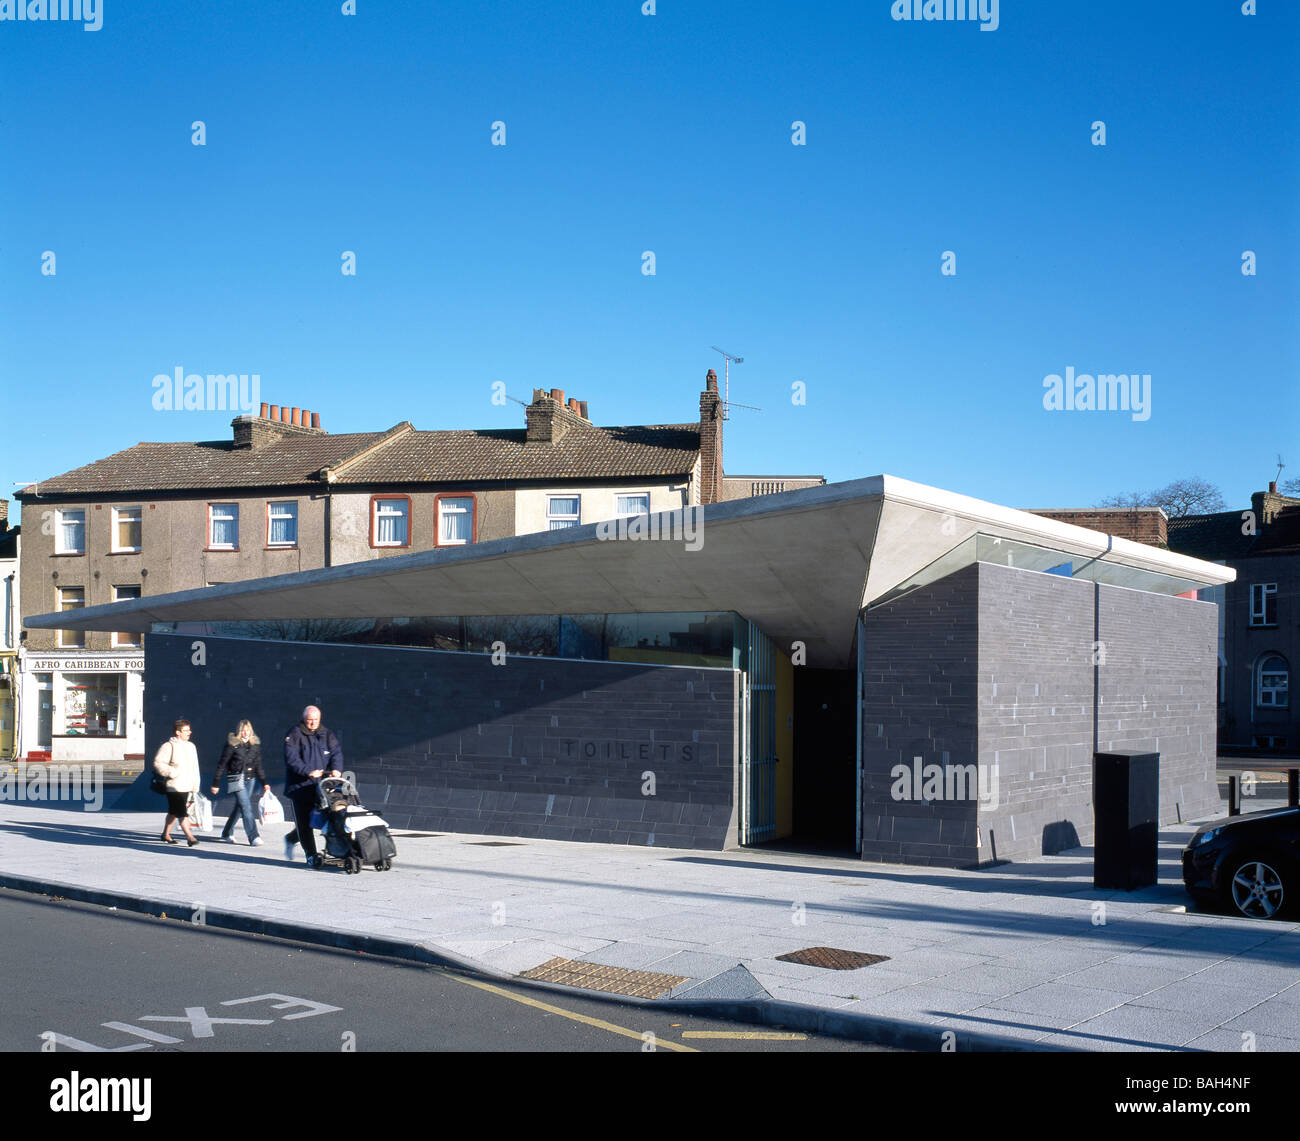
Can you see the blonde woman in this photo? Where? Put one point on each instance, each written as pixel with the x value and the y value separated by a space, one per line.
pixel 178 763
pixel 241 765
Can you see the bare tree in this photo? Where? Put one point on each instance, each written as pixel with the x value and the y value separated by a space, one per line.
pixel 1189 496
pixel 1290 487
pixel 308 629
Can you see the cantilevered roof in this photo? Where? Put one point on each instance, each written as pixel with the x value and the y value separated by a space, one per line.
pixel 801 564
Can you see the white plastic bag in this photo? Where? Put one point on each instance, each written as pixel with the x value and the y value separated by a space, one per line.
pixel 201 812
pixel 269 810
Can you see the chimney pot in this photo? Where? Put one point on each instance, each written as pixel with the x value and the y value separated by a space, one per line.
pixel 315 419
pixel 574 405
pixel 557 394
pixel 1272 487
pixel 262 416
pixel 306 418
pixel 294 418
pixel 711 381
pixel 275 412
pixel 582 409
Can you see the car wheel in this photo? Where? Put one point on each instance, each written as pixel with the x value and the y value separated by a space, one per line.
pixel 1257 888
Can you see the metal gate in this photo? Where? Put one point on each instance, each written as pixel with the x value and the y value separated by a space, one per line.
pixel 758 768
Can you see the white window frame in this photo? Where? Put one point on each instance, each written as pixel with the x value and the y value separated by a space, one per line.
pixel 379 512
pixel 629 495
pixel 271 517
pixel 79 635
pixel 1275 690
pixel 127 639
pixel 115 546
pixel 442 502
pixel 565 519
pixel 59 548
pixel 212 519
pixel 1260 593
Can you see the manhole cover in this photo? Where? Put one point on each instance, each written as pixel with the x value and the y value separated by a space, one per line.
pixel 597 976
pixel 494 843
pixel 417 835
pixel 832 958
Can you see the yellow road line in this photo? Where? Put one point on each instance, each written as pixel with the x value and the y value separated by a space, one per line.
pixel 597 1022
pixel 764 1035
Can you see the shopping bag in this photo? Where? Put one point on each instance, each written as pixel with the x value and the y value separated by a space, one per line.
pixel 201 812
pixel 269 810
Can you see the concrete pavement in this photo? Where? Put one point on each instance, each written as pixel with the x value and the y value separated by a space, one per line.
pixel 1022 955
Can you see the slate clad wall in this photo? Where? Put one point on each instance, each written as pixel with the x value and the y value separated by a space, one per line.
pixel 997 663
pixel 449 742
pixel 1156 678
pixel 919 700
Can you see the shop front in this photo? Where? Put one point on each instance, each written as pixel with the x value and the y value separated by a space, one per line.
pixel 81 706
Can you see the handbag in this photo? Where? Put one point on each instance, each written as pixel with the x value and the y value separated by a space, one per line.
pixel 200 812
pixel 269 810
pixel 158 783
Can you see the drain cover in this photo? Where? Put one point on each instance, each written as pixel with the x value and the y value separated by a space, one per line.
pixel 494 843
pixel 832 958
pixel 597 976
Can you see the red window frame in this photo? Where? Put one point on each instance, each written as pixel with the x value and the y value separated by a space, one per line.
pixel 410 524
pixel 437 517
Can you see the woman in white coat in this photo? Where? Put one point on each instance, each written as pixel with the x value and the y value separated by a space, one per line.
pixel 178 763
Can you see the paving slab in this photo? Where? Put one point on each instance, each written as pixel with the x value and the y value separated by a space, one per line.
pixel 1006 955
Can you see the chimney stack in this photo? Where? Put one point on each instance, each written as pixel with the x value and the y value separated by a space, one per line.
pixel 274 422
pixel 546 423
pixel 710 440
pixel 1272 487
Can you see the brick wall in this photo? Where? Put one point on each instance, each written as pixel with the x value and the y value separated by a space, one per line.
pixel 1140 524
pixel 450 742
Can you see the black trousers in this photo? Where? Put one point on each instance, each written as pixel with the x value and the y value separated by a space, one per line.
pixel 303 834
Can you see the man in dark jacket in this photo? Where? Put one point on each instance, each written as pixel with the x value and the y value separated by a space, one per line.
pixel 310 752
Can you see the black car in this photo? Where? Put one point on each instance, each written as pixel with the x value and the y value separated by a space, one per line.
pixel 1248 863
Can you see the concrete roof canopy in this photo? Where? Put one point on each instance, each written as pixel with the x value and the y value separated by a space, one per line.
pixel 801 564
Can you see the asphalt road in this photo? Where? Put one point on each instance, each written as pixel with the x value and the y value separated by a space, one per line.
pixel 82 978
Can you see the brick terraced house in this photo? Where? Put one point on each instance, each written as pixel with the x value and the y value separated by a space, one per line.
pixel 283 496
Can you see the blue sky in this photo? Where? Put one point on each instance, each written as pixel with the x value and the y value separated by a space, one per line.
pixel 672 133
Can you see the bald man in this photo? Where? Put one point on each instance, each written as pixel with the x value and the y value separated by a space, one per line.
pixel 310 751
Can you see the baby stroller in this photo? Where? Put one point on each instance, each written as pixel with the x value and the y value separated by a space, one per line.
pixel 353 835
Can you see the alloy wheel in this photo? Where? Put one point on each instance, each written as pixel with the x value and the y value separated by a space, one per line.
pixel 1257 890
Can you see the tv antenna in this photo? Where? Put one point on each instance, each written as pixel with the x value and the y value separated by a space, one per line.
pixel 1280 465
pixel 726 373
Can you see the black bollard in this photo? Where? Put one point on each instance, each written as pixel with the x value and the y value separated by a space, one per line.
pixel 1234 798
